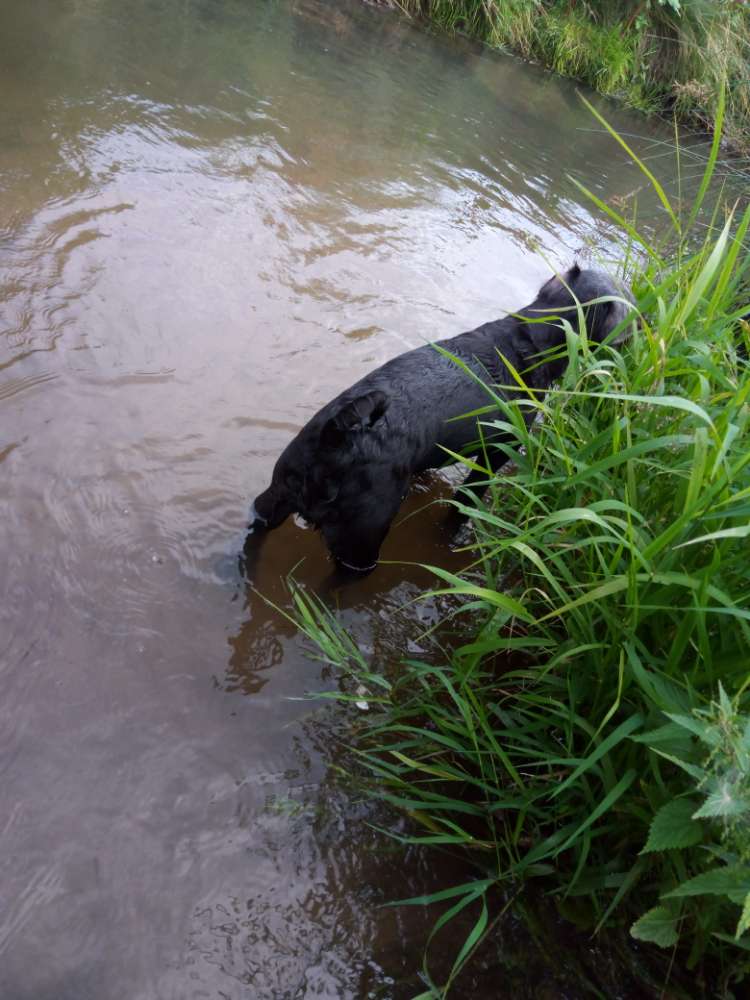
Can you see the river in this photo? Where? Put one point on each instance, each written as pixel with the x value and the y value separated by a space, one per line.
pixel 214 215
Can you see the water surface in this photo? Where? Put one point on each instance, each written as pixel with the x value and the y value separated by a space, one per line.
pixel 214 215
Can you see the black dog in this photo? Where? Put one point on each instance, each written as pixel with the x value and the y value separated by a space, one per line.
pixel 348 469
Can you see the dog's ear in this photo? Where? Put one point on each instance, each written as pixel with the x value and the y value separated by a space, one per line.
pixel 556 284
pixel 355 416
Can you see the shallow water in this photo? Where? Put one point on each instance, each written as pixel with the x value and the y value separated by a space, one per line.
pixel 214 216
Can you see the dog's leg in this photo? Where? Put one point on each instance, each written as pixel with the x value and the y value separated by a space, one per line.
pixel 478 480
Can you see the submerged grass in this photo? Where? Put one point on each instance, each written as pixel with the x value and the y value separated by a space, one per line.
pixel 656 55
pixel 593 733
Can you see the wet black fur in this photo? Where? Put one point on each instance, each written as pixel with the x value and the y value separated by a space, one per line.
pixel 348 469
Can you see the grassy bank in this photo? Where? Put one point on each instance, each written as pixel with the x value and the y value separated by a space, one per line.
pixel 590 733
pixel 657 55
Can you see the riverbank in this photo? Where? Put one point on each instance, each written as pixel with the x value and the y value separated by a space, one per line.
pixel 586 730
pixel 669 57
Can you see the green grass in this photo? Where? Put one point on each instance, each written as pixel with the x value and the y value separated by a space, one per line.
pixel 657 55
pixel 589 731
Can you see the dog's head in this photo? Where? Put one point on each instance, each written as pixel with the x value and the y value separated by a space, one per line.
pixel 604 303
pixel 308 474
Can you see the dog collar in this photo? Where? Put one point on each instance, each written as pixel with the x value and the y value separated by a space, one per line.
pixel 358 569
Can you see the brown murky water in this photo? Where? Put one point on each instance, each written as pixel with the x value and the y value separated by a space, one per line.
pixel 214 216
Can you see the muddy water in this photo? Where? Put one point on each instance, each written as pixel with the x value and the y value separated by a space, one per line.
pixel 215 215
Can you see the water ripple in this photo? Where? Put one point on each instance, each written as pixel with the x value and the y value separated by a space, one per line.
pixel 215 217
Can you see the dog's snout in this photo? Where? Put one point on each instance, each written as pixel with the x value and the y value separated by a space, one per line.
pixel 256 520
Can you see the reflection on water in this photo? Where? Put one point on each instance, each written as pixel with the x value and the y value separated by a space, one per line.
pixel 214 215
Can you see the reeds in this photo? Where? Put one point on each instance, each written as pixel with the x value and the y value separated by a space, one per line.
pixel 592 732
pixel 674 55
